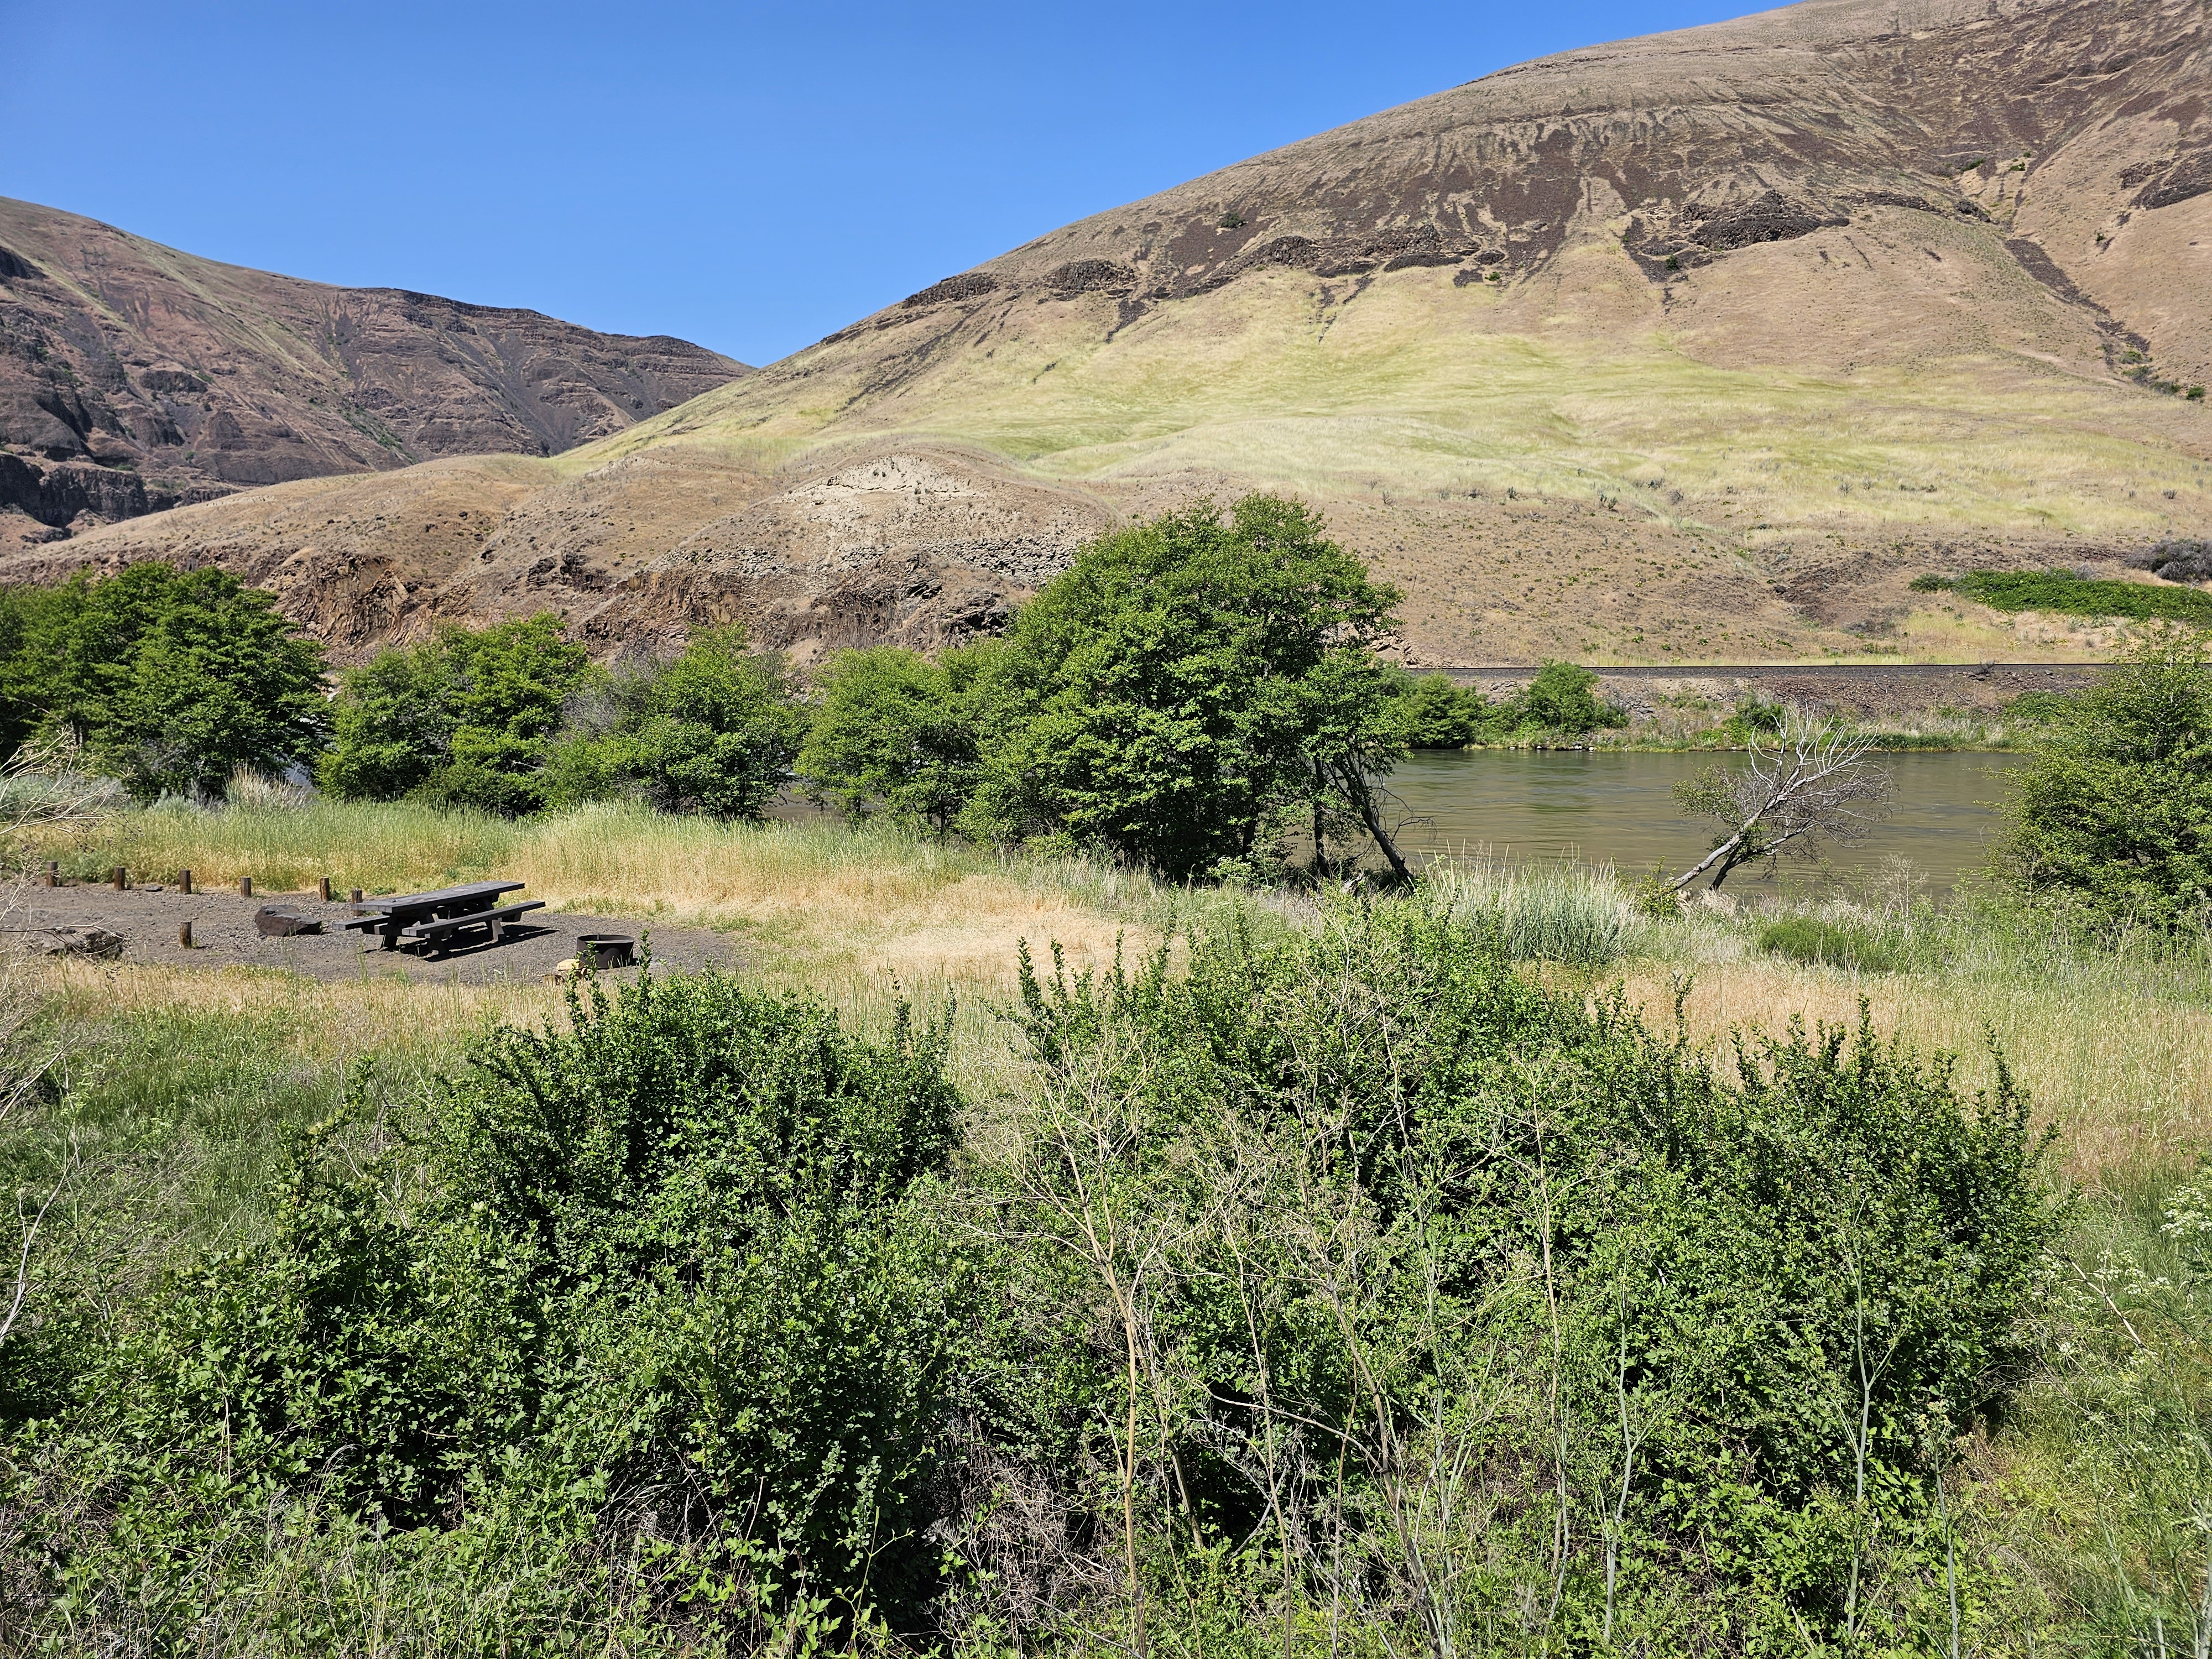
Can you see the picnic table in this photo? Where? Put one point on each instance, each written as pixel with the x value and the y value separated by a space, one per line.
pixel 433 915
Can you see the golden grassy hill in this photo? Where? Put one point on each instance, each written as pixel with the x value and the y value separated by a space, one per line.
pixel 1699 346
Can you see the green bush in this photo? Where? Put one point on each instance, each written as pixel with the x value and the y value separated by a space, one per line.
pixel 1414 1264
pixel 657 1278
pixel 1753 718
pixel 2063 593
pixel 464 719
pixel 1812 940
pixel 1436 714
pixel 2112 813
pixel 1932 584
pixel 713 730
pixel 1563 699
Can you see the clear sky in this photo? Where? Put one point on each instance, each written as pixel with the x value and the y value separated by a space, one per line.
pixel 749 177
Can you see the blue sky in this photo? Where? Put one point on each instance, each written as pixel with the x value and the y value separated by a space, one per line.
pixel 749 177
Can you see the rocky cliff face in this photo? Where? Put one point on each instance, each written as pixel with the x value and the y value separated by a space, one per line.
pixel 2052 124
pixel 133 377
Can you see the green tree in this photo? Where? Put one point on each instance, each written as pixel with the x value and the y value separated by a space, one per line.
pixel 171 679
pixel 1563 698
pixel 1174 710
pixel 713 730
pixel 2112 812
pixel 1437 715
pixel 465 718
pixel 393 720
pixel 893 733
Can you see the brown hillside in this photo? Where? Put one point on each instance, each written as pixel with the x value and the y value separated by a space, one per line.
pixel 133 376
pixel 1695 346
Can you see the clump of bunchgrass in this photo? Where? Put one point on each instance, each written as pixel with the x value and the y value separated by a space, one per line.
pixel 1539 912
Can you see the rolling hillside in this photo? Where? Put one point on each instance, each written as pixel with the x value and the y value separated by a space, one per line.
pixel 1695 346
pixel 133 377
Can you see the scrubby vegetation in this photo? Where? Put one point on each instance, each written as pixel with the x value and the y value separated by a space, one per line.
pixel 680 1320
pixel 1489 1261
pixel 1369 1269
pixel 1558 704
pixel 2112 816
pixel 2064 594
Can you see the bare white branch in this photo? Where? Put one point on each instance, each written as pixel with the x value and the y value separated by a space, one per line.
pixel 1820 783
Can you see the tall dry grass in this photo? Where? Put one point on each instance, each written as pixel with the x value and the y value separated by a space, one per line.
pixel 2117 1051
pixel 813 896
pixel 2115 1048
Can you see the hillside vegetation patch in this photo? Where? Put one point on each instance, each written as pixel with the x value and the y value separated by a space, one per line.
pixel 2064 594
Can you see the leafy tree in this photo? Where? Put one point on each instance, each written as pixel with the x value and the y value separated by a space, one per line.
pixel 34 626
pixel 1563 698
pixel 393 720
pixel 714 731
pixel 1175 707
pixel 171 679
pixel 2113 812
pixel 465 718
pixel 1436 713
pixel 893 733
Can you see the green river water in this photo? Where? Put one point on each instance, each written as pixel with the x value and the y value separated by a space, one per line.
pixel 1608 807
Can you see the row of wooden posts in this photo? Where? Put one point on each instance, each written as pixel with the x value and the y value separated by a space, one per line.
pixel 121 879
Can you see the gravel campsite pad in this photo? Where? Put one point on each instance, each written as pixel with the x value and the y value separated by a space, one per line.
pixel 224 936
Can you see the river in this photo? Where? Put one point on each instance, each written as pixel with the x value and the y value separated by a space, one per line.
pixel 1608 807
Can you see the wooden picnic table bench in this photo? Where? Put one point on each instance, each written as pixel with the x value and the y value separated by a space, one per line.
pixel 393 914
pixel 438 933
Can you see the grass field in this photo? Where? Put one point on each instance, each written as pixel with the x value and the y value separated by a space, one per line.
pixel 2117 1047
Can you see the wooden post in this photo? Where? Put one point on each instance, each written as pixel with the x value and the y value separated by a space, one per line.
pixel 246 887
pixel 326 889
pixel 183 881
pixel 53 873
pixel 121 879
pixel 357 895
pixel 184 936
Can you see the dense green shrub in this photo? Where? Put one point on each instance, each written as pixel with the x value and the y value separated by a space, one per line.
pixel 895 732
pixel 1485 1312
pixel 1563 700
pixel 1754 718
pixel 2064 594
pixel 1436 713
pixel 465 719
pixel 1931 584
pixel 1815 940
pixel 171 679
pixel 712 730
pixel 657 1278
pixel 2112 813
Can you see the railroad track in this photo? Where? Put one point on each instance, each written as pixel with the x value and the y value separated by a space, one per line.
pixel 1773 670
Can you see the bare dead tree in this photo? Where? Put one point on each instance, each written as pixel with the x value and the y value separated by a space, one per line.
pixel 1820 783
pixel 1357 781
